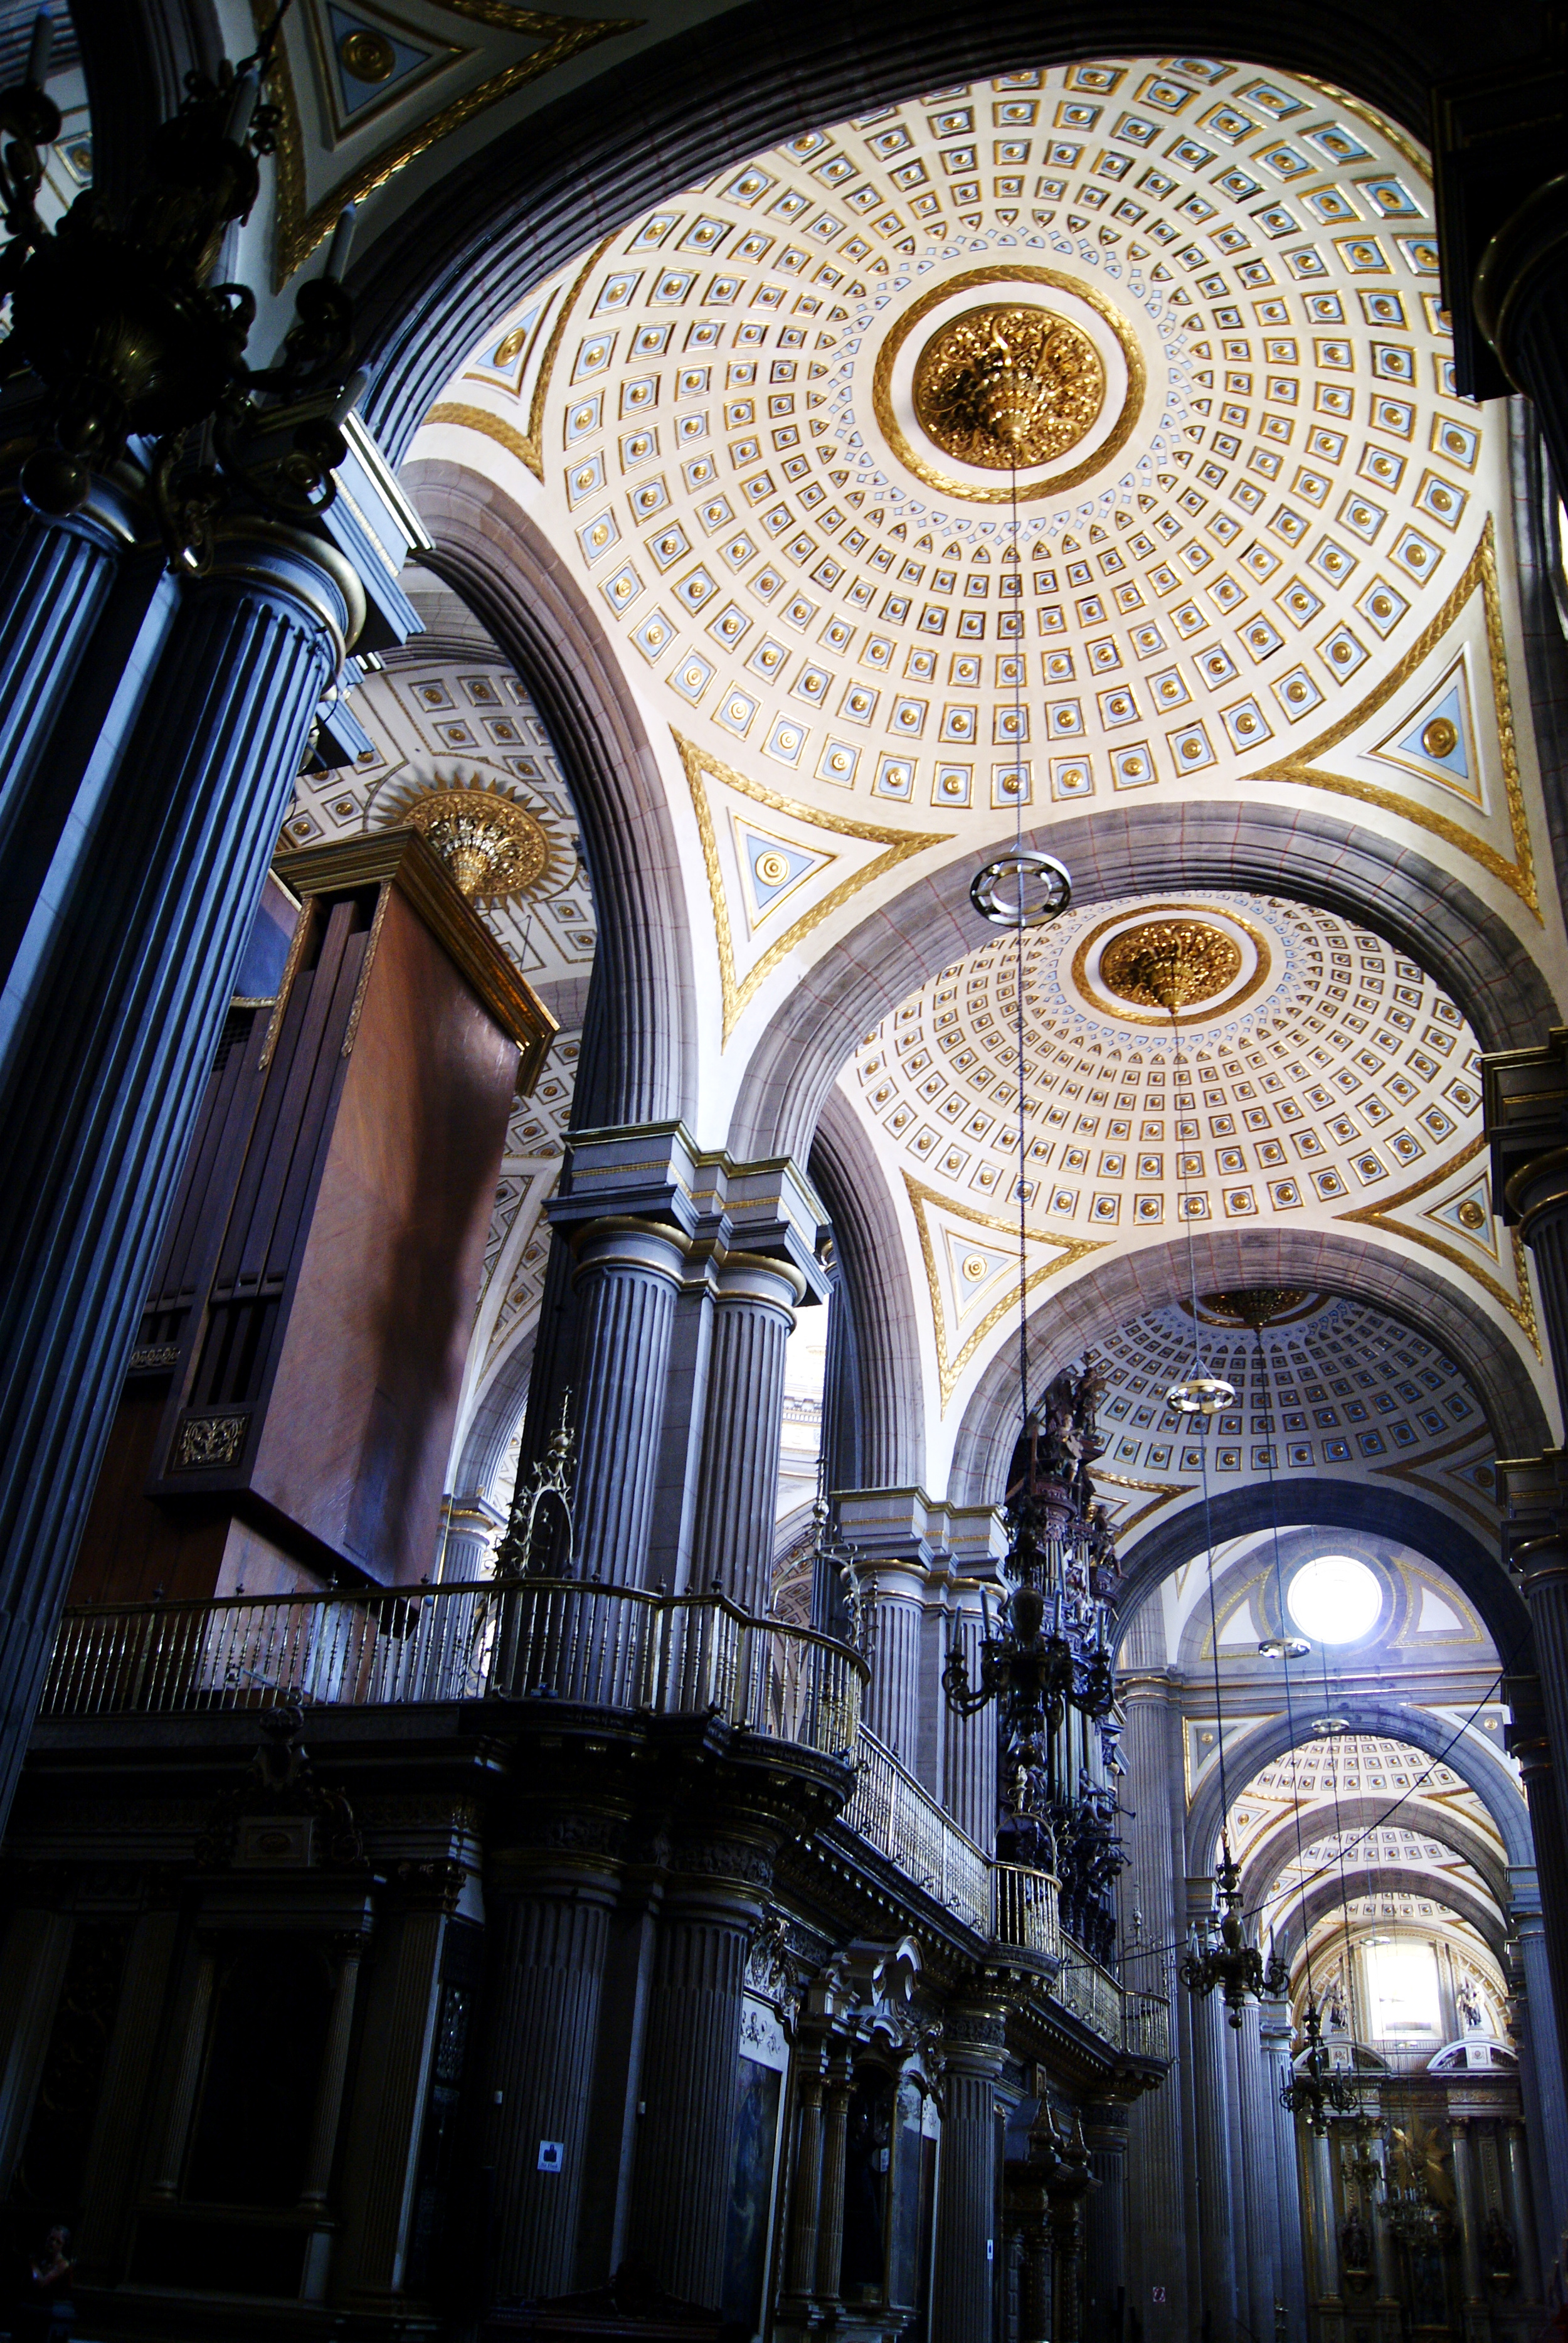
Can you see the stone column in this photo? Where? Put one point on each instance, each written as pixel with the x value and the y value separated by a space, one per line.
pixel 107 1028
pixel 189 2050
pixel 1154 1888
pixel 893 1699
pixel 1274 2046
pixel 830 2215
pixel 115 2161
pixel 1520 291
pixel 334 2069
pixel 626 1277
pixel 1325 2240
pixel 1264 2232
pixel 1467 2206
pixel 1540 2055
pixel 551 1916
pixel 471 1525
pixel 31 1966
pixel 1105 2214
pixel 1387 2255
pixel 968 1787
pixel 680 2189
pixel 1516 2157
pixel 806 2195
pixel 1218 2226
pixel 732 1540
pixel 385 2119
pixel 679 1486
pixel 962 2281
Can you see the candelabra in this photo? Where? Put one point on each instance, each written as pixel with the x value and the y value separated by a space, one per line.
pixel 137 347
pixel 1222 1954
pixel 1315 2088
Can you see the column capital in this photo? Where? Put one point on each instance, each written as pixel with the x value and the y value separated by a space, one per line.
pixel 656 1171
pixel 1499 144
pixel 905 1525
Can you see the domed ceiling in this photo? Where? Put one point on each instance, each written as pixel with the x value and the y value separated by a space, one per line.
pixel 1192 313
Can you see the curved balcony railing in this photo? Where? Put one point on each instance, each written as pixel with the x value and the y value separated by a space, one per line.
pixel 565 1639
pixel 899 1816
pixel 1024 1910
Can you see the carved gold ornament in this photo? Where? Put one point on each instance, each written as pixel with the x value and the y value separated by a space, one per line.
pixel 1260 1305
pixel 493 847
pixel 1169 964
pixel 368 56
pixel 1009 386
pixel 993 281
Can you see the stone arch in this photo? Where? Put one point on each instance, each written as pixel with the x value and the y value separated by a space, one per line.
pixel 1257 846
pixel 1269 1857
pixel 1397 1879
pixel 875 1261
pixel 1320 1502
pixel 496 1417
pixel 1128 1283
pixel 639 1060
pixel 1487 1776
pixel 618 140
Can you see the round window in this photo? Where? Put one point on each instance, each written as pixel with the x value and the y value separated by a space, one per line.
pixel 1334 1599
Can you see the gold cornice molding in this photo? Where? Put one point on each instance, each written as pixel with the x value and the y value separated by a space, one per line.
pixel 951 1365
pixel 739 992
pixel 298 229
pixel 1164 1490
pixel 1481 570
pixel 401 858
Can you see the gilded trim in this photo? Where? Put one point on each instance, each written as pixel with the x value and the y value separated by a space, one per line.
pixel 366 965
pixel 1519 875
pixel 900 845
pixel 300 231
pixel 1167 1490
pixel 1073 1249
pixel 1378 1216
pixel 1057 483
pixel 527 446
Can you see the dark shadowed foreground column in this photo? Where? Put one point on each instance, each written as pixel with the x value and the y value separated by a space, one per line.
pixel 967 2177
pixel 111 1042
pixel 680 2191
pixel 753 1313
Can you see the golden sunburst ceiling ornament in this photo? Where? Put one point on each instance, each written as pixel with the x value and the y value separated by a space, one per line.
pixel 1170 963
pixel 1007 386
pixel 495 850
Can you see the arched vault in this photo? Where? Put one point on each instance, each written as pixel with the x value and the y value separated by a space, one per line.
pixel 1395 1879
pixel 1269 1857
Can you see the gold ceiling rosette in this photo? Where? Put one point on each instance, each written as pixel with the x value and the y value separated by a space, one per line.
pixel 499 846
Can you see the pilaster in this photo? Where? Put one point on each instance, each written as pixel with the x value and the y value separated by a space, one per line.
pixel 963 2281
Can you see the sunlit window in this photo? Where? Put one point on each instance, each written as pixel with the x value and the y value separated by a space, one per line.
pixel 1334 1599
pixel 1402 1984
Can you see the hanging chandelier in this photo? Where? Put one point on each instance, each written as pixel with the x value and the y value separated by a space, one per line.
pixel 1316 2088
pixel 1220 1954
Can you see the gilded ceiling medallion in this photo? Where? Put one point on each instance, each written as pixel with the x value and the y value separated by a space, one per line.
pixel 1009 385
pixel 1054 405
pixel 1261 1305
pixel 494 848
pixel 1169 964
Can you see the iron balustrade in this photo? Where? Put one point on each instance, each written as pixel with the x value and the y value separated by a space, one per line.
pixel 562 1639
pixel 594 1645
pixel 898 1816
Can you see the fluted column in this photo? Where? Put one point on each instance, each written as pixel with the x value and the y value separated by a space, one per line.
pixel 1387 2252
pixel 1467 2204
pixel 806 2195
pixel 963 2280
pixel 1325 2239
pixel 1521 2199
pixel 1520 292
pixel 470 1526
pixel 681 2191
pixel 108 1025
pixel 1274 2046
pixel 1540 2053
pixel 732 1541
pixel 968 1787
pixel 334 2069
pixel 553 1931
pixel 381 2154
pixel 1105 2214
pixel 625 1284
pixel 830 2215
pixel 893 1699
pixel 1216 2206
pixel 1256 2160
pixel 56 580
pixel 119 2143
pixel 1154 1888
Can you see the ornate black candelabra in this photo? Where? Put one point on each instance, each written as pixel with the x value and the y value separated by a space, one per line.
pixel 1223 1956
pixel 1049 1656
pixel 1315 2088
pixel 119 321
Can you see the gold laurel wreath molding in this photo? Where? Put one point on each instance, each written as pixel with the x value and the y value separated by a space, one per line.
pixel 1480 571
pixel 950 1365
pixel 299 231
pixel 696 763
